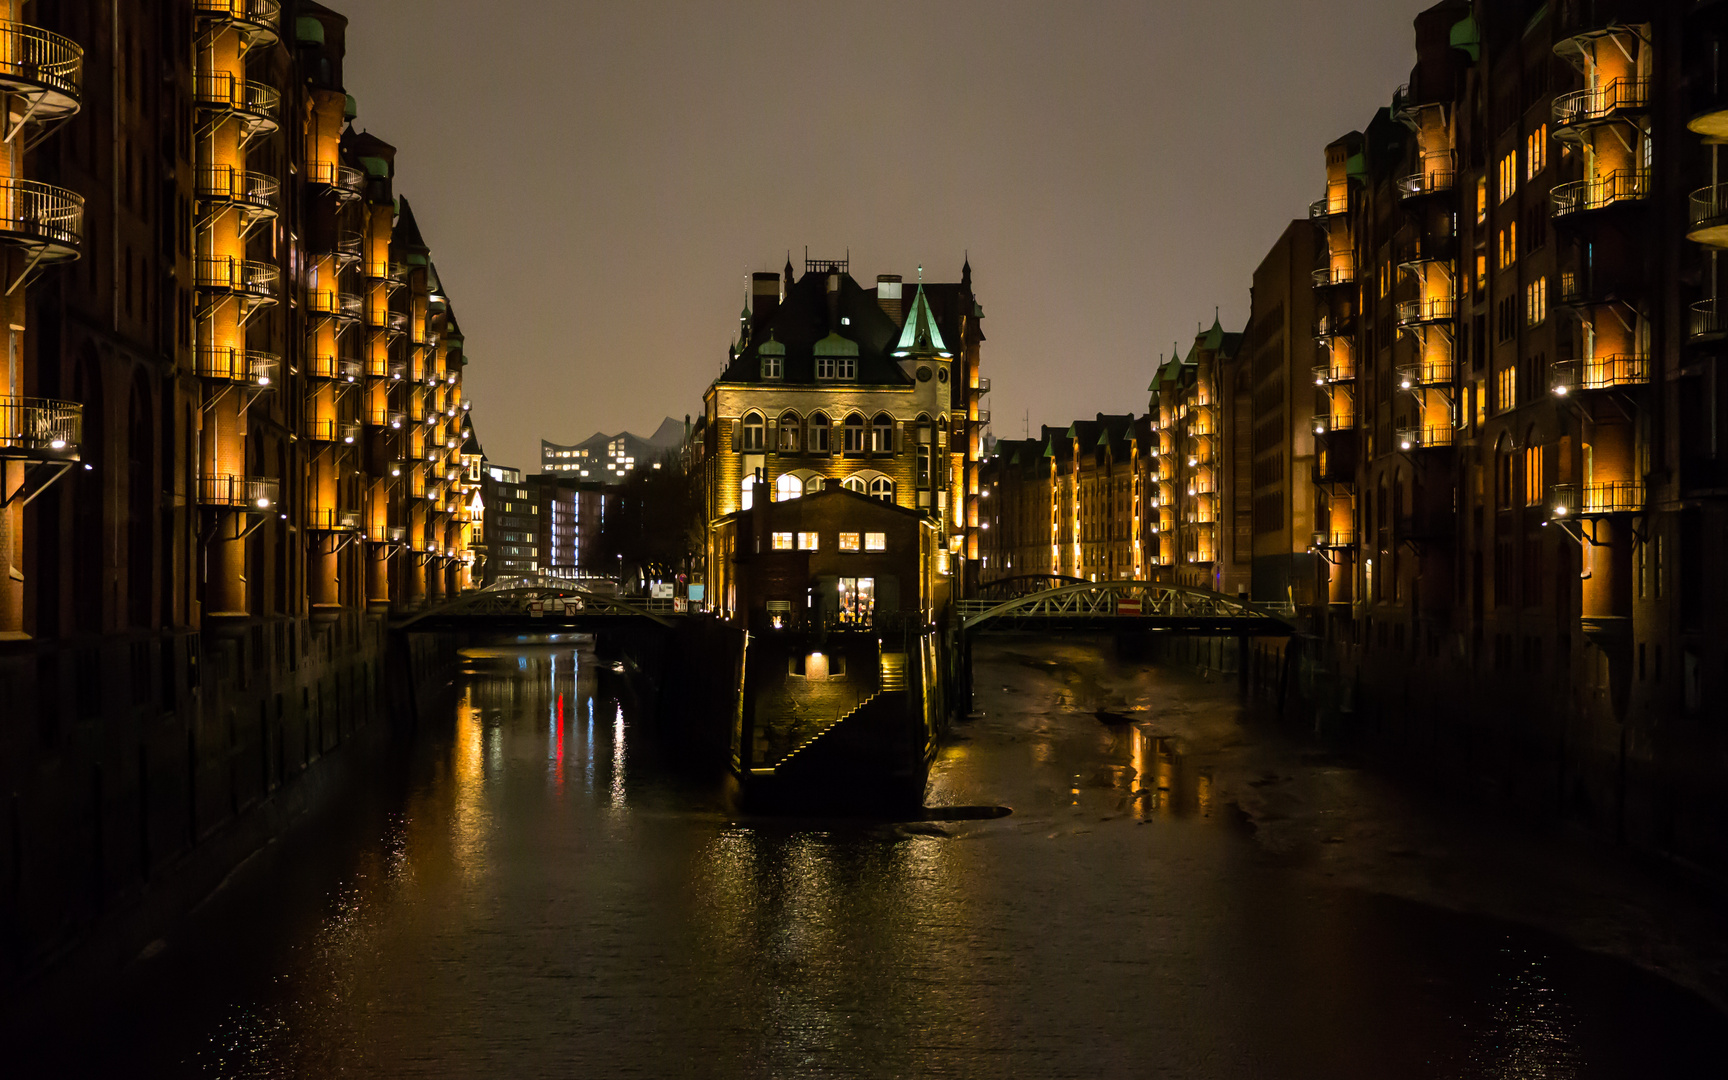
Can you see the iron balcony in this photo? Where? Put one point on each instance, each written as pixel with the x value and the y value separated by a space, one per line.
pixel 340 368
pixel 40 429
pixel 261 281
pixel 1596 500
pixel 1425 312
pixel 43 68
pixel 1417 185
pixel 1598 373
pixel 45 220
pixel 343 306
pixel 1597 104
pixel 1620 186
pixel 1424 374
pixel 1707 320
pixel 256 19
pixel 234 491
pixel 330 519
pixel 1330 276
pixel 1707 216
pixel 238 366
pixel 345 181
pixel 255 104
pixel 1334 540
pixel 253 192
pixel 1417 437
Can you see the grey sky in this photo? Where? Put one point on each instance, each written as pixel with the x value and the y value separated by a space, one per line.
pixel 597 180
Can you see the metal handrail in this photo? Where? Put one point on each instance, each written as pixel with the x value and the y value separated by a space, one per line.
pixel 390 418
pixel 222 90
pixel 265 13
pixel 1338 275
pixel 41 212
pixel 1707 207
pixel 1433 182
pixel 1439 309
pixel 235 490
pixel 1424 373
pixel 1334 422
pixel 1707 317
pixel 1417 437
pixel 225 183
pixel 325 366
pixel 1599 373
pixel 32 54
pixel 331 174
pixel 331 519
pixel 1334 538
pixel 1598 102
pixel 238 365
pixel 35 425
pixel 1611 497
pixel 1621 185
pixel 238 275
pixel 341 305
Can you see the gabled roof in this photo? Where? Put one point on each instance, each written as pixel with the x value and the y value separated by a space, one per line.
pixel 802 322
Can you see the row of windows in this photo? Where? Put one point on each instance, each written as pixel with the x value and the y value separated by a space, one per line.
pixel 796 434
pixel 790 487
pixel 846 541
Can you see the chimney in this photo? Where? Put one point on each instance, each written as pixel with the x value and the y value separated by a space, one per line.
pixel 834 302
pixel 888 297
pixel 764 302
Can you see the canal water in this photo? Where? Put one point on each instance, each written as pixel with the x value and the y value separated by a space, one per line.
pixel 1176 890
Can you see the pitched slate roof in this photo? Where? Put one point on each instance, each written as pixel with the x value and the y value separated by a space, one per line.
pixel 802 321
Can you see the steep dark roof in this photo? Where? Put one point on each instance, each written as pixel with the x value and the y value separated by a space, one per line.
pixel 407 231
pixel 803 319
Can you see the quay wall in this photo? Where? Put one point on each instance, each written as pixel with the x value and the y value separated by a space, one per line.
pixel 138 771
pixel 1551 748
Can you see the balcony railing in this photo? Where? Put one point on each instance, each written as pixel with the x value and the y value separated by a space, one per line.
pixel 1601 102
pixel 396 322
pixel 261 14
pixel 345 179
pixel 1707 319
pixel 238 492
pixel 255 102
pixel 1589 500
pixel 1425 373
pixel 385 418
pixel 1328 207
pixel 1432 182
pixel 1707 215
pixel 1622 185
pixel 1421 437
pixel 1329 325
pixel 261 281
pixel 983 387
pixel 40 428
pixel 1335 372
pixel 340 368
pixel 1598 373
pixel 41 65
pixel 1334 422
pixel 253 191
pixel 239 365
pixel 1334 275
pixel 346 306
pixel 983 416
pixel 329 429
pixel 330 519
pixel 1335 539
pixel 1421 312
pixel 37 215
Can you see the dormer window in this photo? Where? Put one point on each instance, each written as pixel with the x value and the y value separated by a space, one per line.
pixel 837 367
pixel 771 366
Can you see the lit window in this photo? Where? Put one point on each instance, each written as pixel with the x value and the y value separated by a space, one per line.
pixel 1534 492
pixel 1536 152
pixel 1506 388
pixel 875 541
pixel 818 441
pixel 1509 245
pixel 782 541
pixel 754 438
pixel 788 487
pixel 807 541
pixel 813 485
pixel 882 434
pixel 747 493
pixel 848 541
pixel 1508 175
pixel 882 488
pixel 853 483
pixel 789 431
pixel 770 366
pixel 1536 302
pixel 1481 199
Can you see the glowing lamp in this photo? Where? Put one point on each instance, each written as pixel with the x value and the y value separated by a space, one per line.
pixel 263 380
pixel 263 503
pixel 57 444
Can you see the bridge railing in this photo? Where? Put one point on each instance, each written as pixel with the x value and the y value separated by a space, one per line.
pixel 1120 600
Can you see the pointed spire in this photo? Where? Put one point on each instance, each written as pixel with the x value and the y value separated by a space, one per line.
pixel 921 334
pixel 966 273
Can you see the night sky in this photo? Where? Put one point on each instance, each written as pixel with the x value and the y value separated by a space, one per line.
pixel 597 180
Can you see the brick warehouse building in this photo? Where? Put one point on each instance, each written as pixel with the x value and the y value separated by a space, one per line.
pixel 1492 515
pixel 230 435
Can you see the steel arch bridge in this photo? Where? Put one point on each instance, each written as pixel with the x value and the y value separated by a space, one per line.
pixel 561 600
pixel 1122 605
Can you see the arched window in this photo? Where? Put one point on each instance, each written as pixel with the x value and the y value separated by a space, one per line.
pixel 747 492
pixel 854 434
pixel 882 434
pixel 754 438
pixel 1535 480
pixel 788 487
pixel 1503 474
pixel 818 441
pixel 813 484
pixel 853 483
pixel 790 429
pixel 882 488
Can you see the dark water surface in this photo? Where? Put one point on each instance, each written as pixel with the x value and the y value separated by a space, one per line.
pixel 1177 893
